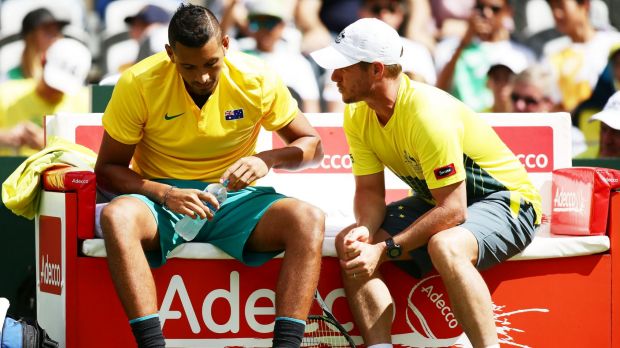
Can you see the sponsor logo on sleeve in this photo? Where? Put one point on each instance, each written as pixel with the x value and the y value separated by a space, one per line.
pixel 444 172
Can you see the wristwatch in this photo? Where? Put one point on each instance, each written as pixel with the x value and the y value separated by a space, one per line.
pixel 393 250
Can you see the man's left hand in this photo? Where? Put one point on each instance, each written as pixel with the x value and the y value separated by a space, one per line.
pixel 366 262
pixel 245 171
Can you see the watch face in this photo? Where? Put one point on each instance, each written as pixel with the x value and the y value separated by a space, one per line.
pixel 394 252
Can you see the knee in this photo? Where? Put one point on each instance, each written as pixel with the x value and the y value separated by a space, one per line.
pixel 339 242
pixel 444 253
pixel 311 222
pixel 117 219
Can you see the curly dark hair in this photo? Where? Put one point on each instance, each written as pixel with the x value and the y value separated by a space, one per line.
pixel 193 26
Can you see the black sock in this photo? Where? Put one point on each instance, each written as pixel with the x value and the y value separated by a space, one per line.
pixel 148 332
pixel 288 333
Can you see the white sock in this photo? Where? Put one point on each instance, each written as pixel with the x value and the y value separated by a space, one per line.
pixel 380 345
pixel 493 346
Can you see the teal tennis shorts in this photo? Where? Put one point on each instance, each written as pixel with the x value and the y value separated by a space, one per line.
pixel 229 229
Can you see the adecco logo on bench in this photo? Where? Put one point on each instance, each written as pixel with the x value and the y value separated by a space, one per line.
pixel 336 158
pixel 50 255
pixel 234 313
pixel 533 146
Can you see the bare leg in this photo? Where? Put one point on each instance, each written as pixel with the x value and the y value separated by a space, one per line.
pixel 454 253
pixel 369 299
pixel 128 227
pixel 298 228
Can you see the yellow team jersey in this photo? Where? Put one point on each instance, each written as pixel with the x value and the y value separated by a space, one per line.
pixel 151 108
pixel 433 140
pixel 20 103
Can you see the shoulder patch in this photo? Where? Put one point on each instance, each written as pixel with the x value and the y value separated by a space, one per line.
pixel 445 171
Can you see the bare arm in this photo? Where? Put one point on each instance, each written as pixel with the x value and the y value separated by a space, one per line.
pixel 363 256
pixel 307 20
pixel 420 22
pixel 450 210
pixel 114 174
pixel 303 148
pixel 369 207
pixel 369 201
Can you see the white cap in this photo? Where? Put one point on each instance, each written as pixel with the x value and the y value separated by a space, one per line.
pixel 506 56
pixel 366 40
pixel 273 8
pixel 67 63
pixel 610 114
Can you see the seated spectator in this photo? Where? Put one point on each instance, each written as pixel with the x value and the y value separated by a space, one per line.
pixel 149 27
pixel 463 63
pixel 577 65
pixel 499 80
pixel 610 128
pixel 532 91
pixel 39 30
pixel 23 103
pixel 606 85
pixel 266 26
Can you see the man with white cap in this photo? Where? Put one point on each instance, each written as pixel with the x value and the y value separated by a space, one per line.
pixel 23 103
pixel 473 206
pixel 610 127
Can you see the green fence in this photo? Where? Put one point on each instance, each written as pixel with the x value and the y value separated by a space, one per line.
pixel 17 248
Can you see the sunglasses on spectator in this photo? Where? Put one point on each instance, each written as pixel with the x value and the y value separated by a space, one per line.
pixel 494 8
pixel 526 99
pixel 268 23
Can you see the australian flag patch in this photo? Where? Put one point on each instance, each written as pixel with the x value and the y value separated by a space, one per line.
pixel 236 114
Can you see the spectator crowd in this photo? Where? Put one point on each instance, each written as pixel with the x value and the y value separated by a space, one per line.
pixel 494 55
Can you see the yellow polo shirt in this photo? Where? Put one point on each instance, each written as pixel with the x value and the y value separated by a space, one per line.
pixel 151 108
pixel 433 140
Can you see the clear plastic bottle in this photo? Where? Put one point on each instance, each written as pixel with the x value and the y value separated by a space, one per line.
pixel 189 227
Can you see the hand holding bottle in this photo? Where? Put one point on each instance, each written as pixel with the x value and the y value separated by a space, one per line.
pixel 189 226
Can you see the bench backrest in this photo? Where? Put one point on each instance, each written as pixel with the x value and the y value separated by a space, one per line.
pixel 541 141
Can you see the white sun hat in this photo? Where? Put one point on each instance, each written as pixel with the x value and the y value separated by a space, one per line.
pixel 67 63
pixel 610 114
pixel 366 40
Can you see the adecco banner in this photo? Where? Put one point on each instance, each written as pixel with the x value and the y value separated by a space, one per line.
pixel 532 144
pixel 50 255
pixel 336 158
pixel 234 305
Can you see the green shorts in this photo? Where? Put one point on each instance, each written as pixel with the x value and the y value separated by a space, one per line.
pixel 229 229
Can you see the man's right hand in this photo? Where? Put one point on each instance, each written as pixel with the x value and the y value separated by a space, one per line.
pixel 190 202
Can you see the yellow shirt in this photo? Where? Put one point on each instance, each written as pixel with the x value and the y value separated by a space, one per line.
pixel 151 108
pixel 433 140
pixel 21 103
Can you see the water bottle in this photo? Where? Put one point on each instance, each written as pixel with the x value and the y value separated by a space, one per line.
pixel 189 227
